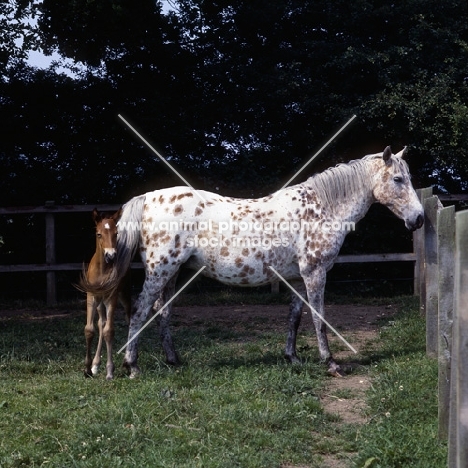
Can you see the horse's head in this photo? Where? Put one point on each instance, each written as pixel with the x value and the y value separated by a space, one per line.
pixel 106 233
pixel 393 188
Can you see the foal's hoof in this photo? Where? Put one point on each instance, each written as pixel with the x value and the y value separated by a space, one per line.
pixel 87 374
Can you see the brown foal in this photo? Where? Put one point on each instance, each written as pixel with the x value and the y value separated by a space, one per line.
pixel 105 305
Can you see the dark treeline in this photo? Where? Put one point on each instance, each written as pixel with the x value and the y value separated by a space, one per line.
pixel 237 95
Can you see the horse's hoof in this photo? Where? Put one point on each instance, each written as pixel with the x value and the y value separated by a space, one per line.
pixel 95 370
pixel 173 362
pixel 135 373
pixel 336 372
pixel 87 374
pixel 293 359
pixel 132 370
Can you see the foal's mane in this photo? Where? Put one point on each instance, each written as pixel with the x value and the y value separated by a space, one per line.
pixel 338 184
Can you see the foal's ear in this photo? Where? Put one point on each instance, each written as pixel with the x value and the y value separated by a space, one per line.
pixel 96 215
pixel 387 154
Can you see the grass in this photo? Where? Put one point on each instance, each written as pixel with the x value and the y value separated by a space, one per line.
pixel 234 401
pixel 403 400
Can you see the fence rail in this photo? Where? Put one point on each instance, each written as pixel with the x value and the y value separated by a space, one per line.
pixel 51 266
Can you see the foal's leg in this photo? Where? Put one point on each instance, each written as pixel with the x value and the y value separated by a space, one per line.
pixel 294 320
pixel 164 331
pixel 101 323
pixel 152 288
pixel 108 333
pixel 314 281
pixel 89 331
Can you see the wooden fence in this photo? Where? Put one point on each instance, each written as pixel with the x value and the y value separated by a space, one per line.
pixel 51 266
pixel 444 301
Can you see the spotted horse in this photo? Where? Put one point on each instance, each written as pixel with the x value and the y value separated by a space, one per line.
pixel 295 230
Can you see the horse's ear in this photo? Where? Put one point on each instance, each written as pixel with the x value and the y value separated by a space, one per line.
pixel 116 216
pixel 402 153
pixel 96 215
pixel 387 154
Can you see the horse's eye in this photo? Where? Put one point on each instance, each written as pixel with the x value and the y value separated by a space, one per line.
pixel 98 235
pixel 398 179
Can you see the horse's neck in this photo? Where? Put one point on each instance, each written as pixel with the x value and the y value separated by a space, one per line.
pixel 98 260
pixel 354 207
pixel 345 194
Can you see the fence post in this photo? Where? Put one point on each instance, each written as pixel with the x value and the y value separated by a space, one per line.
pixel 458 428
pixel 418 249
pixel 431 206
pixel 51 296
pixel 446 262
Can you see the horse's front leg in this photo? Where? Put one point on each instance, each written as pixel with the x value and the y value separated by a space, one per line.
pixel 143 306
pixel 108 334
pixel 125 297
pixel 89 332
pixel 294 320
pixel 315 285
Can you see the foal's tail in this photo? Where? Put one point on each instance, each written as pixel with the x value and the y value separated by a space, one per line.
pixel 129 228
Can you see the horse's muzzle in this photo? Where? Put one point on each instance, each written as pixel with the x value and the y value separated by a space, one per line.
pixel 417 224
pixel 109 255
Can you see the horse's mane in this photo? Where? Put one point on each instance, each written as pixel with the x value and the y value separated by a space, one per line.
pixel 341 182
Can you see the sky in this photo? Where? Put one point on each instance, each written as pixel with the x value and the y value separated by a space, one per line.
pixel 39 60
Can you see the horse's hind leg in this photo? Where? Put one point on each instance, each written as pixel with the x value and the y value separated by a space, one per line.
pixel 294 320
pixel 165 333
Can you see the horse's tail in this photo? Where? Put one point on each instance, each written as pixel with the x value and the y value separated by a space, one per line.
pixel 129 228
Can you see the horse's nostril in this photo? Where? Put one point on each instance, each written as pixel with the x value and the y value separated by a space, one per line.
pixel 420 220
pixel 109 257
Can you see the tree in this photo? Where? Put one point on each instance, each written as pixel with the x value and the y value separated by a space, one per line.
pixel 18 36
pixel 236 94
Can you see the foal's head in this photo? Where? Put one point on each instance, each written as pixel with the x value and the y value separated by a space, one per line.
pixel 106 233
